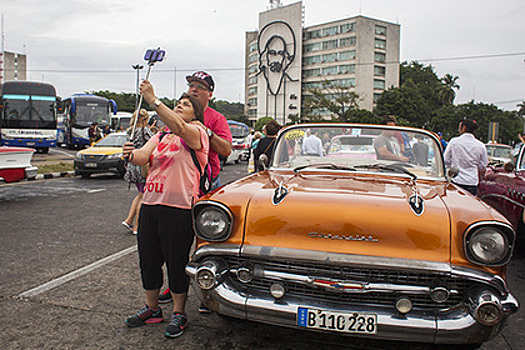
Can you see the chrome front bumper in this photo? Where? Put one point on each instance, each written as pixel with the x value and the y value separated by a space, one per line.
pixel 453 326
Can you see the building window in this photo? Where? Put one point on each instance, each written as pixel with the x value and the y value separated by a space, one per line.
pixel 349 41
pixel 330 44
pixel 313 34
pixel 345 28
pixel 252 80
pixel 312 60
pixel 379 57
pixel 331 57
pixel 380 30
pixel 252 90
pixel 312 72
pixel 347 68
pixel 253 58
pixel 312 85
pixel 314 47
pixel 379 84
pixel 376 97
pixel 252 112
pixel 378 70
pixel 252 69
pixel 253 47
pixel 346 82
pixel 347 55
pixel 331 31
pixel 380 44
pixel 330 70
pixel 252 101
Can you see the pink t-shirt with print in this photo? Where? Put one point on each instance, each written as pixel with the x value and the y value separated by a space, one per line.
pixel 173 178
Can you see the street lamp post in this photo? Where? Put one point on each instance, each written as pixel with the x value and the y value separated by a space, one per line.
pixel 137 67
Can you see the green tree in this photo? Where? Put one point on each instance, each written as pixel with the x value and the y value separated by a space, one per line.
pixel 126 101
pixel 446 93
pixel 335 98
pixel 521 110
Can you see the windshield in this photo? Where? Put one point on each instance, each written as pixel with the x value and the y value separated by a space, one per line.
pixel 499 151
pixel 359 148
pixel 92 112
pixel 30 114
pixel 239 131
pixel 113 140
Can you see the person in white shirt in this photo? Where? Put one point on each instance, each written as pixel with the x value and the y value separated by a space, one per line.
pixel 468 155
pixel 312 145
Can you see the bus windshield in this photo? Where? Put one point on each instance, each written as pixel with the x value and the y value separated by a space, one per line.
pixel 91 112
pixel 37 112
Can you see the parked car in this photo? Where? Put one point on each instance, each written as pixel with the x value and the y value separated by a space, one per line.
pixel 499 153
pixel 240 145
pixel 503 187
pixel 355 146
pixel 104 156
pixel 15 164
pixel 357 245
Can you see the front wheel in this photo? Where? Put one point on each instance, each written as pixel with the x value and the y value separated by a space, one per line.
pixel 85 175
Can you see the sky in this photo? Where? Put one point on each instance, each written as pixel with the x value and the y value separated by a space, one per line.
pixel 91 45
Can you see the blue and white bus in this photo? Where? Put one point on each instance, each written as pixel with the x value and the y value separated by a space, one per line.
pixel 79 112
pixel 28 115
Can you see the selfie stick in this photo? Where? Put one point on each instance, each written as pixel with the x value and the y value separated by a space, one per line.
pixel 152 56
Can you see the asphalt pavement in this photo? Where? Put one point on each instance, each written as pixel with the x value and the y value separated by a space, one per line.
pixel 69 277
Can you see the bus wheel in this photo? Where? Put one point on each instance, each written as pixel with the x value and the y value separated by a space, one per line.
pixel 85 175
pixel 45 150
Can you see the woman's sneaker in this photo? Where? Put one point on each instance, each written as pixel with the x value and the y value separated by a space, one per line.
pixel 177 325
pixel 145 316
pixel 165 297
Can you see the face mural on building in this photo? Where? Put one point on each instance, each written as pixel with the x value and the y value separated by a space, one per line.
pixel 276 45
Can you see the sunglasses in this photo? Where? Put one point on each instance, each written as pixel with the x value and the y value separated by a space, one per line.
pixel 198 86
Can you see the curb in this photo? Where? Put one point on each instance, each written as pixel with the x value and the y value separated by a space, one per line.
pixel 53 175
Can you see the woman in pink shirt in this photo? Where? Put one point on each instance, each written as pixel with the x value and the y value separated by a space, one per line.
pixel 165 233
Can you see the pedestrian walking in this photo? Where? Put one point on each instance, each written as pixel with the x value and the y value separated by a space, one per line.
pixel 468 155
pixel 134 173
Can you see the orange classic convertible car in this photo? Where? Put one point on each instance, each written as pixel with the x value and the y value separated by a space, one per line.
pixel 381 246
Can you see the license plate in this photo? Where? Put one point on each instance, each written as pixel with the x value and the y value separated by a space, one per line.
pixel 346 322
pixel 91 165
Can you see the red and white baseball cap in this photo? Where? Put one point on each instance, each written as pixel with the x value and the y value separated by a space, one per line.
pixel 202 77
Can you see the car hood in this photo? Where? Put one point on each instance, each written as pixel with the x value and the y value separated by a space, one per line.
pixel 366 215
pixel 101 150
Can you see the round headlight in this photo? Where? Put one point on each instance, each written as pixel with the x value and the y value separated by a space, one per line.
pixel 489 246
pixel 213 223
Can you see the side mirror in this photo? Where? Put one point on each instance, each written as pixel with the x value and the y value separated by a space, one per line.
pixel 263 161
pixel 509 167
pixel 452 172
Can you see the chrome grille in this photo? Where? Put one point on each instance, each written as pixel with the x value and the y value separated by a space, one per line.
pixel 364 275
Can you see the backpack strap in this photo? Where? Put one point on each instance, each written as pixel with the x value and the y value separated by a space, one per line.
pixel 193 156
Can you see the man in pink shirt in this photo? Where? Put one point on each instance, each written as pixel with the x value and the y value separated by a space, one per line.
pixel 201 86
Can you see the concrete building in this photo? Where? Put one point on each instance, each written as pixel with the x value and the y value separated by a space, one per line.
pixel 284 60
pixel 14 66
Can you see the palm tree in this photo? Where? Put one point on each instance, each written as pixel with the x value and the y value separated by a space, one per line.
pixel 446 93
pixel 521 110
